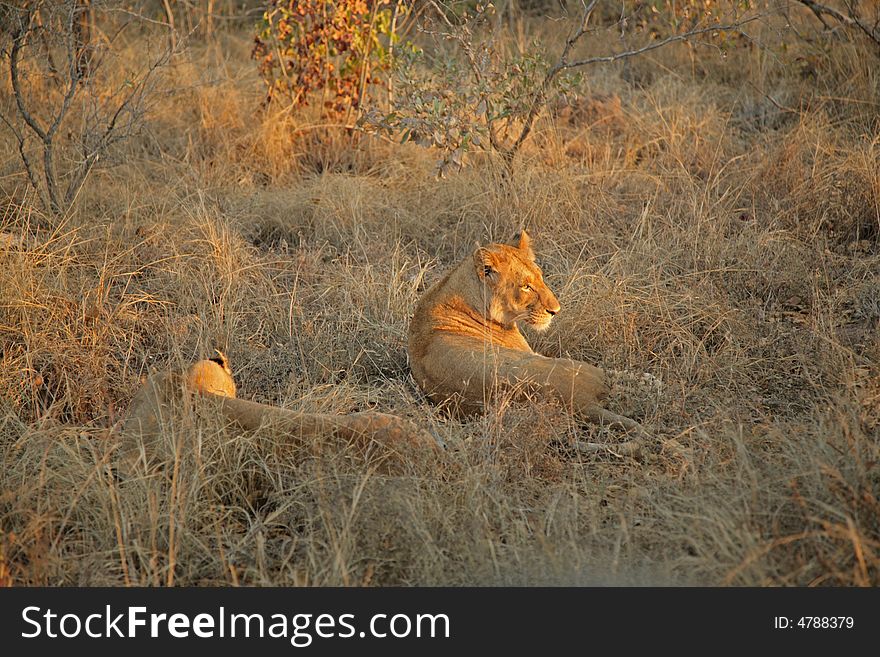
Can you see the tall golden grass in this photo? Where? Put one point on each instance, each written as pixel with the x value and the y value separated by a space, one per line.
pixel 717 229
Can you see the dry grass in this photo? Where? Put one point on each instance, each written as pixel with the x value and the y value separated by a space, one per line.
pixel 718 229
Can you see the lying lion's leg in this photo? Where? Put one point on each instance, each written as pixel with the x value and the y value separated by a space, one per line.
pixel 470 371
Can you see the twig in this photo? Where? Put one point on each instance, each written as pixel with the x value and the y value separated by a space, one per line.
pixel 853 20
pixel 733 27
pixel 776 104
pixel 540 99
pixel 28 167
pixel 462 37
pixel 391 37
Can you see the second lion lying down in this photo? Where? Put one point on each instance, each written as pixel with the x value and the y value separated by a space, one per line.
pixel 165 398
pixel 465 345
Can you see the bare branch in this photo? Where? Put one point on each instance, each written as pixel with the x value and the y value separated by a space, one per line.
pixel 28 167
pixel 821 10
pixel 685 36
pixel 18 38
pixel 112 132
pixel 73 74
pixel 872 33
pixel 853 20
pixel 575 37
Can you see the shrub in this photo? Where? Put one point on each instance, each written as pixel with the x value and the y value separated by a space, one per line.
pixel 338 47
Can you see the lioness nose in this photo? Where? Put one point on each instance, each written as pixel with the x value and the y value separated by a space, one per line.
pixel 553 311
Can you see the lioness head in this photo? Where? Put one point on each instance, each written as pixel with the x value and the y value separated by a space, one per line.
pixel 513 286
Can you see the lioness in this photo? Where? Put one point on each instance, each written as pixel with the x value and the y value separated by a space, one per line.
pixel 164 396
pixel 465 345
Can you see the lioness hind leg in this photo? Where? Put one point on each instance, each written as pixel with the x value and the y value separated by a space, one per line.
pixel 601 415
pixel 581 387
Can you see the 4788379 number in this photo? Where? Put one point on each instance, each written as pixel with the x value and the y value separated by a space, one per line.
pixel 814 622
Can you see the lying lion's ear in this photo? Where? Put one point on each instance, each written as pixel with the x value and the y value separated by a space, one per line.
pixel 524 243
pixel 484 262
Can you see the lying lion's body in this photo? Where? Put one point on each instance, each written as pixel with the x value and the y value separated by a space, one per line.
pixel 164 397
pixel 465 345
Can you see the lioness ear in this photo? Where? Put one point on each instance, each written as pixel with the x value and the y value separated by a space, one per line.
pixel 524 243
pixel 484 262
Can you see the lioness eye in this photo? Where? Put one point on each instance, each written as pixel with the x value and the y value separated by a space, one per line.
pixel 527 288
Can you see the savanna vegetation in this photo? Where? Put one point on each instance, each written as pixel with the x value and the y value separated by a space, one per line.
pixel 177 177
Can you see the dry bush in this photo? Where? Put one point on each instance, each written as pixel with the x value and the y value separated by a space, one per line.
pixel 70 99
pixel 331 48
pixel 700 242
